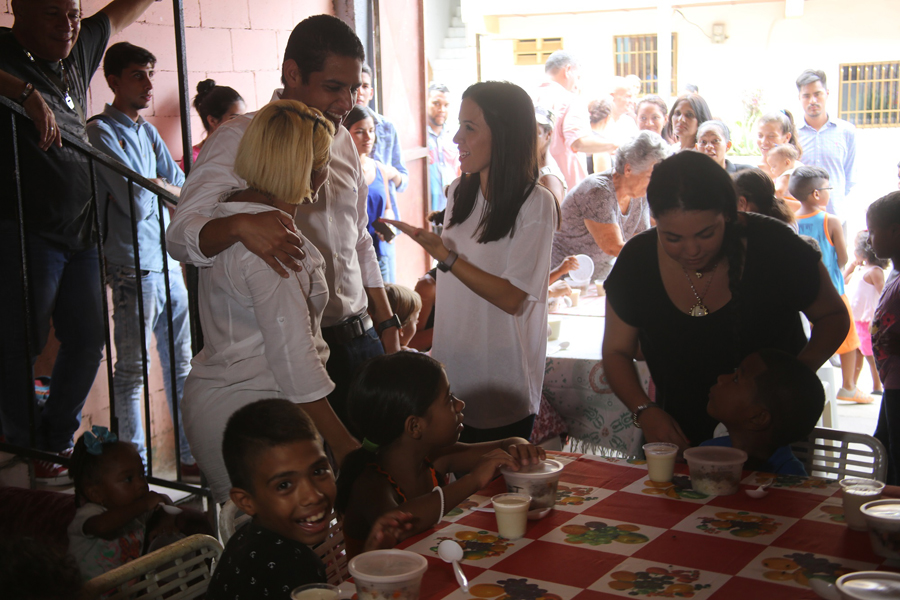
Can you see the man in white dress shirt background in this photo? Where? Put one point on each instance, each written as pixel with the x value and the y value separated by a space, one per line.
pixel 322 66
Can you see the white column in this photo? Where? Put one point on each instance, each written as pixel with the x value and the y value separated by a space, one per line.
pixel 664 47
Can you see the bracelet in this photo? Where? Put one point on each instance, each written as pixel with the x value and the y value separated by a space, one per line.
pixel 440 492
pixel 637 413
pixel 29 89
pixel 447 264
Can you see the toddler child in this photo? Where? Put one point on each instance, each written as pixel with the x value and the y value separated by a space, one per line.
pixel 864 278
pixel 407 305
pixel 883 221
pixel 403 406
pixel 782 160
pixel 809 185
pixel 281 477
pixel 771 401
pixel 114 503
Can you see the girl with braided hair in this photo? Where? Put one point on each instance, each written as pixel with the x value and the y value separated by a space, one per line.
pixel 704 288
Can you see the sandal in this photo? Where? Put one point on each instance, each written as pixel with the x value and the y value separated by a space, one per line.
pixel 856 396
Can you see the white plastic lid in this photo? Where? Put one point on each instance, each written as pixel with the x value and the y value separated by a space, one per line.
pixel 542 469
pixel 585 269
pixel 870 585
pixel 715 455
pixel 883 510
pixel 388 566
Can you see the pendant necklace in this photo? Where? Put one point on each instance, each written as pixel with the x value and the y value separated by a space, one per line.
pixel 700 309
pixel 62 84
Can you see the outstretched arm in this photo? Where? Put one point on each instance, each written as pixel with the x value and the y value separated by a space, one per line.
pixel 122 13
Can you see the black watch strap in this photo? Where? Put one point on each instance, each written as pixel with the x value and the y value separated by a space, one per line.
pixel 447 264
pixel 394 321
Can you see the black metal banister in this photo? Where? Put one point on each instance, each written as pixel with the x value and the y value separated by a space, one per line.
pixel 100 157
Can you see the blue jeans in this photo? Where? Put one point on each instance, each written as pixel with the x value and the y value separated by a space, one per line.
pixel 343 362
pixel 128 379
pixel 888 433
pixel 64 286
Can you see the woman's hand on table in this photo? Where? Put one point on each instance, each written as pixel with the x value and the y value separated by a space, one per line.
pixel 430 241
pixel 559 289
pixel 527 454
pixel 660 426
pixel 389 530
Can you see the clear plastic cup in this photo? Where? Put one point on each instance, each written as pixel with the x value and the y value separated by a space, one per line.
pixel 715 470
pixel 388 574
pixel 660 460
pixel 538 481
pixel 857 491
pixel 316 591
pixel 511 511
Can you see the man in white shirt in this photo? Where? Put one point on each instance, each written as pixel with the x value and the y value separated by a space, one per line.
pixel 572 132
pixel 322 65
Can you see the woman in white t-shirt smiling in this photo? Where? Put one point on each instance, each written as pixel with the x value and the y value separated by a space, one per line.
pixel 490 326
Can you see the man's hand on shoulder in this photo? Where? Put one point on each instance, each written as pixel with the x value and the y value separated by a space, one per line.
pixel 272 236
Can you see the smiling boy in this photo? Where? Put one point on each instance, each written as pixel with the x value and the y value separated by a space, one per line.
pixel 771 401
pixel 283 480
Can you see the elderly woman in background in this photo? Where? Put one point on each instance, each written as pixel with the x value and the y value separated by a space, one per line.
pixel 714 140
pixel 606 209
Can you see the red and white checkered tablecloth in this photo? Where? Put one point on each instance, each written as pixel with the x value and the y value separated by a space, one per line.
pixel 614 534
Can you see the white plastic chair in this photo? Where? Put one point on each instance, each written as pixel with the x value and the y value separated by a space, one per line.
pixel 230 520
pixel 332 551
pixel 179 571
pixel 835 454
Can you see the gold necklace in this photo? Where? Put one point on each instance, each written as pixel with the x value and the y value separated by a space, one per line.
pixel 700 309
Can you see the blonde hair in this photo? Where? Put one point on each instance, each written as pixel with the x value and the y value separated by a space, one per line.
pixel 404 302
pixel 284 143
pixel 785 151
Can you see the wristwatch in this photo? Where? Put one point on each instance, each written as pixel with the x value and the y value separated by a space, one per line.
pixel 394 321
pixel 636 414
pixel 447 264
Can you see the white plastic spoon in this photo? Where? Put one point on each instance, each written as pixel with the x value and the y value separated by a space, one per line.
pixel 761 491
pixel 451 552
pixel 825 590
pixel 171 509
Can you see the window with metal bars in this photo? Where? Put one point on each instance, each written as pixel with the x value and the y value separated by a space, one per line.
pixel 870 94
pixel 535 51
pixel 637 55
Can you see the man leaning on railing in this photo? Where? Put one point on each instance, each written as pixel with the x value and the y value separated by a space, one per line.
pixel 47 60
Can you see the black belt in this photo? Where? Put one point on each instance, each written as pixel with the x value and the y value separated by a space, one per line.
pixel 350 329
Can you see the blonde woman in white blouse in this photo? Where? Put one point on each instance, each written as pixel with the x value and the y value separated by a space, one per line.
pixel 262 333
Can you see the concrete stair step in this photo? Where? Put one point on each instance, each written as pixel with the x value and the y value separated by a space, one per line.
pixel 456 32
pixel 456 53
pixel 457 21
pixel 455 42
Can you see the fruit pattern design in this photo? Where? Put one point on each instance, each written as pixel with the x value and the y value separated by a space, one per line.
pixel 835 512
pixel 511 589
pixel 800 567
pixel 477 544
pixel 597 533
pixel 739 524
pixel 657 582
pixel 461 508
pixel 656 488
pixel 573 495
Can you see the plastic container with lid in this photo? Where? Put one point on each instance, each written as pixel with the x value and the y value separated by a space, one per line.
pixel 883 522
pixel 388 574
pixel 581 277
pixel 869 585
pixel 715 470
pixel 538 481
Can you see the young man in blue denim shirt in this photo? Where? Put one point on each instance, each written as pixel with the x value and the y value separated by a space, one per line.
pixel 388 152
pixel 123 134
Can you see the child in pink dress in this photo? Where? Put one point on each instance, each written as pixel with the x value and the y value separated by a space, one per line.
pixel 864 278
